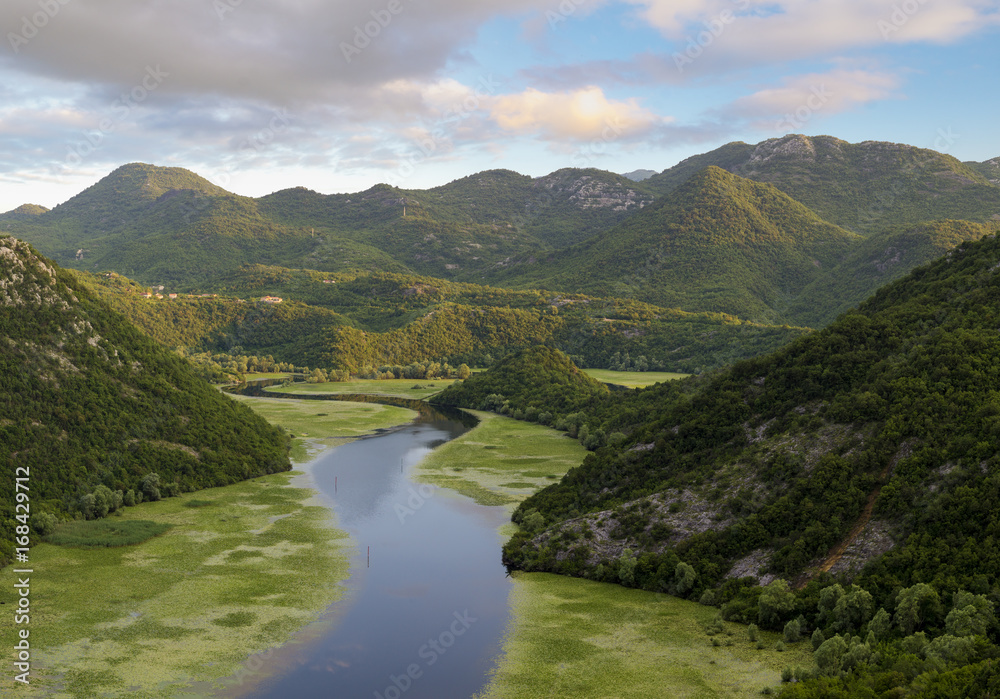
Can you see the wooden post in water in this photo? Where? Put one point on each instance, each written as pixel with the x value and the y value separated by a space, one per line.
pixel 369 556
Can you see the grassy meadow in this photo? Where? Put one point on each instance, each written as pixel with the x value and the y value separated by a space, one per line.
pixel 239 570
pixel 633 379
pixel 577 639
pixel 501 461
pixel 398 388
pixel 320 425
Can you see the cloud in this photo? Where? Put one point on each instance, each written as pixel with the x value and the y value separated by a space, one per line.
pixel 583 114
pixel 767 30
pixel 801 97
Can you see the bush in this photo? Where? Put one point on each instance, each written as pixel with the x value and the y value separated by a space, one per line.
pixel 150 486
pixel 793 631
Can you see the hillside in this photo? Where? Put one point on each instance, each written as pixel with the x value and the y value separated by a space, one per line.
pixel 884 423
pixel 90 406
pixel 537 379
pixel 360 323
pixel 718 243
pixel 864 187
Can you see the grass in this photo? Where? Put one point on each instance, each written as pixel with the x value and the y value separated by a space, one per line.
pixel 226 581
pixel 319 425
pixel 501 461
pixel 578 639
pixel 109 532
pixel 258 376
pixel 633 379
pixel 400 388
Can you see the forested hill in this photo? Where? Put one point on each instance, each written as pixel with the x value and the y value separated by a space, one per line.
pixel 90 407
pixel 870 449
pixel 538 380
pixel 896 401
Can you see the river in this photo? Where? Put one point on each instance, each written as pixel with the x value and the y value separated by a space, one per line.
pixel 427 605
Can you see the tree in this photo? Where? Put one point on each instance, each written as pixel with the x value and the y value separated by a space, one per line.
pixel 972 615
pixel 916 606
pixel 150 486
pixel 817 639
pixel 828 655
pixel 852 610
pixel 464 371
pixel 684 578
pixel 776 602
pixel 626 567
pixel 793 631
pixel 881 625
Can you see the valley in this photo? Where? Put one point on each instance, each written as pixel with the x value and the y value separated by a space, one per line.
pixel 736 430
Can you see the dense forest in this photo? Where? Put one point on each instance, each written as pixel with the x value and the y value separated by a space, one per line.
pixel 97 415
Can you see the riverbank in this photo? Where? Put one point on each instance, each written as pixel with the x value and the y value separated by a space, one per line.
pixel 240 570
pixel 578 639
pixel 501 461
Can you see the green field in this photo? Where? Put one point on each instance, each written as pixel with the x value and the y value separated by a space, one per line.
pixel 258 377
pixel 502 461
pixel 399 388
pixel 319 425
pixel 633 379
pixel 235 575
pixel 577 639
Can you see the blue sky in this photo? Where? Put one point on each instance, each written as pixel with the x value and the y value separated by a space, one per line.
pixel 338 95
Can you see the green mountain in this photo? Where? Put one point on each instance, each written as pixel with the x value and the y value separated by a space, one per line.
pixel 639 175
pixel 25 212
pixel 864 187
pixel 90 406
pixel 867 449
pixel 845 488
pixel 170 226
pixel 990 169
pixel 718 243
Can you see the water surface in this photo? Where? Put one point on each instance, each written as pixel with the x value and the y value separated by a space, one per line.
pixel 427 606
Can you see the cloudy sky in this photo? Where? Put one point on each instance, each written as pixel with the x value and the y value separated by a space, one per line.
pixel 338 95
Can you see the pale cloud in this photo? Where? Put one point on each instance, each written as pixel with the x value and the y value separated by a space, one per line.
pixel 761 30
pixel 801 97
pixel 583 114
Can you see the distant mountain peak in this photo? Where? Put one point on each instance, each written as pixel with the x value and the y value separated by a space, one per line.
pixel 24 212
pixel 639 175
